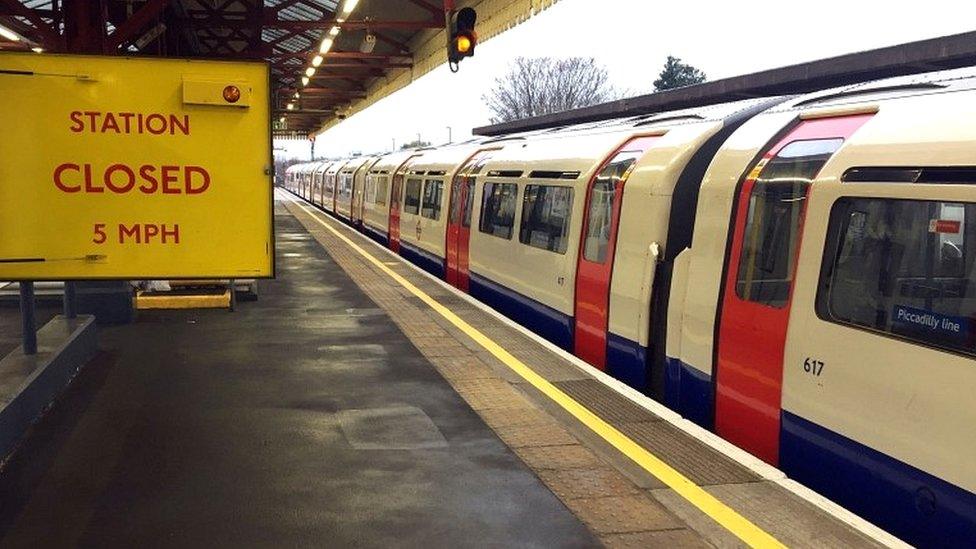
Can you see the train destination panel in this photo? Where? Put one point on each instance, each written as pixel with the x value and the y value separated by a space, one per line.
pixel 134 168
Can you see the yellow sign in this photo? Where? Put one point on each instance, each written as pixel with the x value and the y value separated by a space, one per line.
pixel 115 167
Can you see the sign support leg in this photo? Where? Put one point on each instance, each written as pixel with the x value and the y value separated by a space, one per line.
pixel 28 322
pixel 70 310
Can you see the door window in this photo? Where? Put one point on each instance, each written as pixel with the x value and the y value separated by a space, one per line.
pixel 468 200
pixel 773 221
pixel 603 193
pixel 456 186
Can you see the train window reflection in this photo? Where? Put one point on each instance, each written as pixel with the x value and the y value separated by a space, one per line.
pixel 498 209
pixel 903 267
pixel 382 183
pixel 411 198
pixel 774 221
pixel 433 190
pixel 545 217
pixel 603 193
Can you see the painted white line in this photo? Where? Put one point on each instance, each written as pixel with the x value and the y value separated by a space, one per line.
pixel 710 439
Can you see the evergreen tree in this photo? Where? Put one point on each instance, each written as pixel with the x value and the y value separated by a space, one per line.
pixel 677 75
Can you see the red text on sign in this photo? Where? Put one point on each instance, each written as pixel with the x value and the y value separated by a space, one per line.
pixel 122 179
pixel 137 233
pixel 129 123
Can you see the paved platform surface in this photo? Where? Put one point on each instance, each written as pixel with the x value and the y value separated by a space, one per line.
pixel 306 418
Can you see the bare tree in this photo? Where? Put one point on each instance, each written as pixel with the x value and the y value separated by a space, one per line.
pixel 535 86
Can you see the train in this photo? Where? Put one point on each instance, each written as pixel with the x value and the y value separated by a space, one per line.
pixel 792 272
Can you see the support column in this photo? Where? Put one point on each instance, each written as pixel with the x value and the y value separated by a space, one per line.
pixel 84 26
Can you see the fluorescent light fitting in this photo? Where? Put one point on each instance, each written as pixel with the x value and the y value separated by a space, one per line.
pixel 326 44
pixel 37 49
pixel 310 71
pixel 304 80
pixel 317 60
pixel 334 31
pixel 9 34
pixel 348 6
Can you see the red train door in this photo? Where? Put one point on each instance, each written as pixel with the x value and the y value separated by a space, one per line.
pixel 459 219
pixel 758 290
pixel 599 236
pixel 396 195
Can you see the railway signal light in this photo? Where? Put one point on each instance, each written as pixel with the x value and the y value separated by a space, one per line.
pixel 463 38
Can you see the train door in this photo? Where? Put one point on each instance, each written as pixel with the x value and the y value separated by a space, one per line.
pixel 595 263
pixel 758 288
pixel 396 197
pixel 459 219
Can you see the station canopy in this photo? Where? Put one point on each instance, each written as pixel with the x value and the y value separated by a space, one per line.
pixel 376 46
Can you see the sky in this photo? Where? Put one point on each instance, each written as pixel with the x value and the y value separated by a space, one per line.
pixel 632 39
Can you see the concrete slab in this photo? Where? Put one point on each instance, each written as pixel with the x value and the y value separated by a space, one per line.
pixel 29 383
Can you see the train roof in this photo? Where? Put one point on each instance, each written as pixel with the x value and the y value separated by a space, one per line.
pixel 445 159
pixel 889 88
pixel 391 161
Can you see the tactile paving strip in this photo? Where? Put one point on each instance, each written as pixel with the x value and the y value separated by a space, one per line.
pixel 693 459
pixel 604 401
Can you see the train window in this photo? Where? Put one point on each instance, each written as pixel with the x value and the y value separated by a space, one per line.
pixel 498 204
pixel 432 199
pixel 369 191
pixel 902 267
pixel 382 182
pixel 545 217
pixel 773 222
pixel 411 198
pixel 603 193
pixel 469 200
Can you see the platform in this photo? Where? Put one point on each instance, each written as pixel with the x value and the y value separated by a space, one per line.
pixel 360 402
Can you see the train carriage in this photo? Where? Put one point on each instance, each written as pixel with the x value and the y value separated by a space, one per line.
pixel 378 194
pixel 352 171
pixel 825 321
pixel 318 176
pixel 359 191
pixel 330 182
pixel 423 210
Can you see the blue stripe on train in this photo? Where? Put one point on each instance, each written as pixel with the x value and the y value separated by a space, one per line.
pixel 541 319
pixel 689 392
pixel 376 235
pixel 427 261
pixel 910 503
pixel 627 361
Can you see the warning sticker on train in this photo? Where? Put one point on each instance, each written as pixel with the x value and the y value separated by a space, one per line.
pixel 114 167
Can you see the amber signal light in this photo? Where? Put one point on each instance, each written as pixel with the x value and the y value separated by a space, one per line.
pixel 232 94
pixel 463 44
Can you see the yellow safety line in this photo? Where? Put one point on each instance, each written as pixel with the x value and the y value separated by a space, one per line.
pixel 735 523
